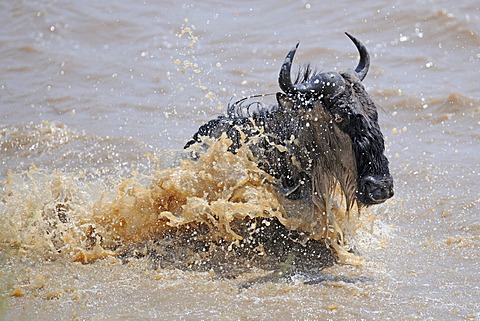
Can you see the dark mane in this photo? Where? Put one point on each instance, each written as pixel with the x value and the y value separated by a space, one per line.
pixel 250 106
pixel 305 73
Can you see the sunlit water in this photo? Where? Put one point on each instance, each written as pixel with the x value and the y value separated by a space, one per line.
pixel 98 98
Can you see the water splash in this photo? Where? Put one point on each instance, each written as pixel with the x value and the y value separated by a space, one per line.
pixel 184 215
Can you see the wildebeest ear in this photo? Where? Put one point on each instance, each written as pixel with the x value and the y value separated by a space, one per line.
pixel 284 101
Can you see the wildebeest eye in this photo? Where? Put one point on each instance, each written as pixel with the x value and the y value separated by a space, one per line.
pixel 338 118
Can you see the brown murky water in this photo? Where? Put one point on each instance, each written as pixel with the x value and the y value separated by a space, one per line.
pixel 101 219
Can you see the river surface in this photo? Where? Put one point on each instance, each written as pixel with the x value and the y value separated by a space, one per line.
pixel 97 99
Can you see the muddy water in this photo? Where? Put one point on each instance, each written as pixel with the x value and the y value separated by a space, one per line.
pixel 98 98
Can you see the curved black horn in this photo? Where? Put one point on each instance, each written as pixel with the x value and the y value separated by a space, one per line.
pixel 364 63
pixel 284 78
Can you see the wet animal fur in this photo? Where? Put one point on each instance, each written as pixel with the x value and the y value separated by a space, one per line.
pixel 296 141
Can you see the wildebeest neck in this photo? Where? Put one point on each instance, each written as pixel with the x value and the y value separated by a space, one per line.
pixel 334 157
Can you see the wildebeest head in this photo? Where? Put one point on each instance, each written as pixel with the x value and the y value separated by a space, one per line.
pixel 347 138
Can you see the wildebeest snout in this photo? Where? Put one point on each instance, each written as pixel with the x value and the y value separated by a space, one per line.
pixel 375 190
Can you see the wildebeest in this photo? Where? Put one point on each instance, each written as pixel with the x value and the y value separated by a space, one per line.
pixel 323 131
